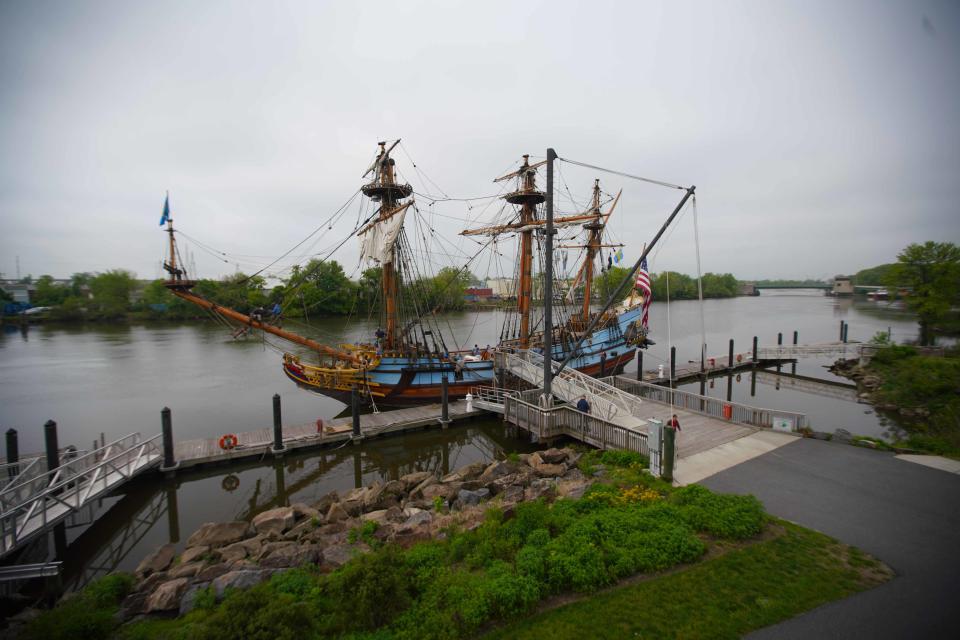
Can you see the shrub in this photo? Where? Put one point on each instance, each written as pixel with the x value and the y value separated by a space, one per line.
pixel 623 458
pixel 88 614
pixel 370 591
pixel 721 515
pixel 258 613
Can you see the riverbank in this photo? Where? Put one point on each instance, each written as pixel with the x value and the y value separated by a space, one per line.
pixel 446 557
pixel 921 392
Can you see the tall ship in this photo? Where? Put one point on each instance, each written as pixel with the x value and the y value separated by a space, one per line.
pixel 407 359
pixel 617 333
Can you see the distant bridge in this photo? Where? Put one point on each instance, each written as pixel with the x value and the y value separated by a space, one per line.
pixel 823 286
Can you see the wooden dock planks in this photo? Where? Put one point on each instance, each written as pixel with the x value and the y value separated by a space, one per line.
pixel 259 442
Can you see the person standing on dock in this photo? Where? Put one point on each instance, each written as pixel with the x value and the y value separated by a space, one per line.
pixel 582 405
pixel 673 423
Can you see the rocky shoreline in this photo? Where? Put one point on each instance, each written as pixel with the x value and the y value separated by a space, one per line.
pixel 867 383
pixel 328 533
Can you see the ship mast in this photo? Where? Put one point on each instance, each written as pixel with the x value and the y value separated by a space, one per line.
pixel 528 198
pixel 384 189
pixel 595 227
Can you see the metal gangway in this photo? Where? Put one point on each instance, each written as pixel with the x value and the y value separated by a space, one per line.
pixel 606 401
pixel 36 498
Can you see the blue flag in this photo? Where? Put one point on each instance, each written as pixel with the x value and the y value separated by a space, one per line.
pixel 166 211
pixel 618 256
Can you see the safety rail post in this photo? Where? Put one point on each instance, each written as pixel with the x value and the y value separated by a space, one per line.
pixel 444 401
pixel 52 449
pixel 169 463
pixel 277 426
pixel 13 453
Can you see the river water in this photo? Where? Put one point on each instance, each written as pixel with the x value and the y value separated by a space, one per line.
pixel 114 380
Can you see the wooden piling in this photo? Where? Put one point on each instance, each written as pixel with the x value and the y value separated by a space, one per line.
pixel 673 363
pixel 639 364
pixel 51 446
pixel 13 452
pixel 444 402
pixel 167 427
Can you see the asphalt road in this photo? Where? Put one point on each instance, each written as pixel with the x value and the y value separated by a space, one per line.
pixel 903 513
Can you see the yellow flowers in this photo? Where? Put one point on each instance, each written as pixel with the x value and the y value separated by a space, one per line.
pixel 631 495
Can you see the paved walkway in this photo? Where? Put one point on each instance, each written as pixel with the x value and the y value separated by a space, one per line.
pixel 705 463
pixel 906 514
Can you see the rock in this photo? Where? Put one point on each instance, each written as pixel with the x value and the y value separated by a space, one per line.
pixel 437 490
pixel 417 519
pixel 302 511
pixel 300 530
pixel 417 491
pixel 396 514
pixel 241 579
pixel 272 547
pixel 187 570
pixel 148 585
pixel 218 534
pixel 375 516
pixel 337 555
pixel 495 470
pixel 541 488
pixel 498 485
pixel 555 456
pixel 411 480
pixel 353 507
pixel 573 474
pixel 336 513
pixel 133 605
pixel 212 572
pixel 512 493
pixel 471 471
pixel 240 550
pixel 167 595
pixel 573 489
pixel 274 521
pixel 547 470
pixel 331 528
pixel 193 553
pixel 354 494
pixel 157 561
pixel 323 504
pixel 292 556
pixel 189 599
pixel 469 498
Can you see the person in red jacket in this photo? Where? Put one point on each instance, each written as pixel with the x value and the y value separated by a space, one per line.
pixel 673 423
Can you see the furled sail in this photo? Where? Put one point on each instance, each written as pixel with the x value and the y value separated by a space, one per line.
pixel 378 239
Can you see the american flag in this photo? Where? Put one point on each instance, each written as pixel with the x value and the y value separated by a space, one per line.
pixel 643 284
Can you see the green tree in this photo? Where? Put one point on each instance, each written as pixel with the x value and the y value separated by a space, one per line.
pixel 874 276
pixel 443 291
pixel 321 287
pixel 111 293
pixel 932 273
pixel 608 281
pixel 48 293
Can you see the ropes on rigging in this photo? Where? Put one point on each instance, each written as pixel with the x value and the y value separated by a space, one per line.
pixel 623 174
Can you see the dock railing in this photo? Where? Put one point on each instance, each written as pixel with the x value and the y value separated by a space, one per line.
pixel 713 407
pixel 565 420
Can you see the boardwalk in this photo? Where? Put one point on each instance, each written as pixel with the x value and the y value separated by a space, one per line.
pixel 190 453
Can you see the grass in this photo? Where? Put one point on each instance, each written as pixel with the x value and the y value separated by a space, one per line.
pixel 726 597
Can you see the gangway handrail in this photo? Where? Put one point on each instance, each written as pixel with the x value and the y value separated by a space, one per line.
pixel 78 464
pixel 602 393
pixel 74 491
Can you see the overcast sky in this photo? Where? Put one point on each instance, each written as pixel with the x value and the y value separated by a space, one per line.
pixel 823 137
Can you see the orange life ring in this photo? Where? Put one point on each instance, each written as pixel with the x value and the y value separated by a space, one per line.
pixel 739 357
pixel 228 441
